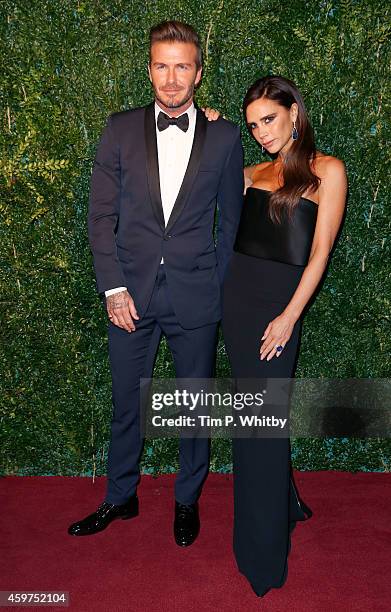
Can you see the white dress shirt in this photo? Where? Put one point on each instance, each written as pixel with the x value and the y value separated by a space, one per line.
pixel 174 148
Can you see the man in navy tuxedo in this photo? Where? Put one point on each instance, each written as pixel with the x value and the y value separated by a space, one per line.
pixel 159 172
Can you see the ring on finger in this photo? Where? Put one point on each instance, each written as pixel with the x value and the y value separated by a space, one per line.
pixel 279 348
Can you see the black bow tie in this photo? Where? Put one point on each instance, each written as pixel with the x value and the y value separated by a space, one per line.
pixel 164 121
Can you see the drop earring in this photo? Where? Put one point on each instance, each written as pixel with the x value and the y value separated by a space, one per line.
pixel 295 133
pixel 262 149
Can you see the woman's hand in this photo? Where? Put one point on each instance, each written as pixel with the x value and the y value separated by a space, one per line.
pixel 276 334
pixel 211 114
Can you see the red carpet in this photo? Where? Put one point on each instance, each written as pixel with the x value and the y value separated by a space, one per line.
pixel 340 559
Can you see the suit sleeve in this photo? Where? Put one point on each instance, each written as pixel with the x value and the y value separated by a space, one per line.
pixel 104 211
pixel 229 203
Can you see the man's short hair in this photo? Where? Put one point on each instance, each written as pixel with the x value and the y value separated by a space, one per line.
pixel 175 31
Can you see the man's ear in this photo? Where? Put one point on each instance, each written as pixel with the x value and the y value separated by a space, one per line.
pixel 198 76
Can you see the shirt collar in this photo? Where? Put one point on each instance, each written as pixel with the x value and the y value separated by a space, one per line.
pixel 191 111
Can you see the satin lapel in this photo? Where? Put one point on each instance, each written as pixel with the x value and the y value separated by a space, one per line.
pixel 192 169
pixel 153 163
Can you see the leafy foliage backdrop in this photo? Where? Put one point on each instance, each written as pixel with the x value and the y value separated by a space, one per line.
pixel 65 67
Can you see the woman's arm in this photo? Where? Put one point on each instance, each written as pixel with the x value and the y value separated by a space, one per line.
pixel 332 198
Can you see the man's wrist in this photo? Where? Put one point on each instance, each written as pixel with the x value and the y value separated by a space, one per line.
pixel 116 290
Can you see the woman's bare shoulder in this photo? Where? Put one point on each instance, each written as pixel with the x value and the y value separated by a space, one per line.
pixel 333 180
pixel 328 165
pixel 251 171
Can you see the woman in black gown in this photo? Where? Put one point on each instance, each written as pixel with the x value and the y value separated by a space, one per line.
pixel 292 212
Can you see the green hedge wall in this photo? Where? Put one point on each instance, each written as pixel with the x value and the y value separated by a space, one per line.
pixel 64 67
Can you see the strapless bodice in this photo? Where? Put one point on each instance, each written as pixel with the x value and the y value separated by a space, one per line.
pixel 288 242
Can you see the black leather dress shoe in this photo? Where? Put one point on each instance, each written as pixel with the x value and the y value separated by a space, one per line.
pixel 105 514
pixel 186 524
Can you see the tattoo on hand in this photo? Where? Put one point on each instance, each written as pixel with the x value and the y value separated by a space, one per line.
pixel 116 301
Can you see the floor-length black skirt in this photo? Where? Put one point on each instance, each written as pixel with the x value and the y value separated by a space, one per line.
pixel 266 502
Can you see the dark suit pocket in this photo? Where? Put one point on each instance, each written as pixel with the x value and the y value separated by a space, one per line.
pixel 207 260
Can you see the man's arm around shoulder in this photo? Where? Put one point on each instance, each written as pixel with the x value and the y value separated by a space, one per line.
pixel 229 202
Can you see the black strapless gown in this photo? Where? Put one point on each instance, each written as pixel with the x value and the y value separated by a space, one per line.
pixel 263 274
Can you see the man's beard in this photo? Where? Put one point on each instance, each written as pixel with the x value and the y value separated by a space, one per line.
pixel 171 104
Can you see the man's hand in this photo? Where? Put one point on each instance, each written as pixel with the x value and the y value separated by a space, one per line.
pixel 211 114
pixel 121 310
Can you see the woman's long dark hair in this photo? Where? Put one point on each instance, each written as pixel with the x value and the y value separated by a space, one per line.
pixel 297 174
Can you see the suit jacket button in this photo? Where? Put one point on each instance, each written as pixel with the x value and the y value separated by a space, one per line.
pixel 167 236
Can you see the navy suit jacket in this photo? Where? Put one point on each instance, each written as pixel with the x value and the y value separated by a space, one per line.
pixel 126 226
